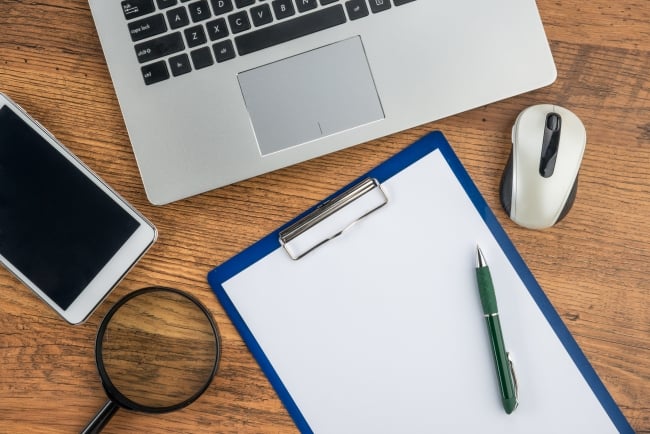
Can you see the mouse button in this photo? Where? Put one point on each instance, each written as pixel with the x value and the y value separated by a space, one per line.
pixel 525 156
pixel 570 153
pixel 529 130
pixel 553 122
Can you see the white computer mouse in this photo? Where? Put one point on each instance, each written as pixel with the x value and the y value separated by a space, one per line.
pixel 540 181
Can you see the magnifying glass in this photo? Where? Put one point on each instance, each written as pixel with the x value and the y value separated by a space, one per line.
pixel 157 350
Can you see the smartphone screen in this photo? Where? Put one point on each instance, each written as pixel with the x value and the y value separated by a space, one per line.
pixel 57 227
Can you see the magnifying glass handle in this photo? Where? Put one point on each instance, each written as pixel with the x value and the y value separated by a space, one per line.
pixel 101 418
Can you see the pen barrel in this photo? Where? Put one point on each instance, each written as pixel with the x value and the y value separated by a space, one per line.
pixel 486 290
pixel 502 363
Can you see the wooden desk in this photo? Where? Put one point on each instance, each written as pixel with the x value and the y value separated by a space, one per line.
pixel 593 265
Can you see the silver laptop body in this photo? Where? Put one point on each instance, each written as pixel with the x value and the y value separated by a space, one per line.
pixel 205 106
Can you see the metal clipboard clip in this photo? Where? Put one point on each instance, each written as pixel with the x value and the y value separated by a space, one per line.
pixel 332 218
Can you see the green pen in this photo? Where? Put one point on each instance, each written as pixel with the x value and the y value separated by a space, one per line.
pixel 505 373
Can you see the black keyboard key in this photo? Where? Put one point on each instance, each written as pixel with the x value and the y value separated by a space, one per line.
pixel 306 5
pixel 239 22
pixel 223 50
pixel 402 2
pixel 159 47
pixel 220 7
pixel 327 2
pixel 217 29
pixel 155 72
pixel 137 8
pixel 202 58
pixel 199 11
pixel 356 9
pixel 283 8
pixel 291 29
pixel 147 27
pixel 243 3
pixel 178 18
pixel 379 5
pixel 164 4
pixel 261 15
pixel 195 36
pixel 180 64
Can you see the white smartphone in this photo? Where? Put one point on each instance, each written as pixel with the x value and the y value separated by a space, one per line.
pixel 63 232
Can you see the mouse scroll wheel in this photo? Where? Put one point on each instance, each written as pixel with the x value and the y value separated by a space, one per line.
pixel 550 144
pixel 553 122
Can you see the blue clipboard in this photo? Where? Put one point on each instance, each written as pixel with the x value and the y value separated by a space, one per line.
pixel 244 314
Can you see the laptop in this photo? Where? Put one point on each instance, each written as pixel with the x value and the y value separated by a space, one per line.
pixel 217 91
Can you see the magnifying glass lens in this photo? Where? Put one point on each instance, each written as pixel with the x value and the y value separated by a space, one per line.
pixel 159 350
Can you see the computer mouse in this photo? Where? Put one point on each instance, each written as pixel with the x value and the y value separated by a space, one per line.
pixel 540 180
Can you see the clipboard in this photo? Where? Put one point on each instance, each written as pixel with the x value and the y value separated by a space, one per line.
pixel 364 313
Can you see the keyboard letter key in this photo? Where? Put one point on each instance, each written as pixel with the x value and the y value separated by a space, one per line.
pixel 306 5
pixel 217 29
pixel 199 11
pixel 221 6
pixel 261 15
pixel 283 8
pixel 178 17
pixel 239 22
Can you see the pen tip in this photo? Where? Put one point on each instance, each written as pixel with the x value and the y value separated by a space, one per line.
pixel 480 259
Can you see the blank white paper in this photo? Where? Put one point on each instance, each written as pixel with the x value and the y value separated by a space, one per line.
pixel 381 329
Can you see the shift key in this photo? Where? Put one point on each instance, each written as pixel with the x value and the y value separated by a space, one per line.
pixel 159 47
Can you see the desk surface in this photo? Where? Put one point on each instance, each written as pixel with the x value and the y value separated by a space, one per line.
pixel 593 265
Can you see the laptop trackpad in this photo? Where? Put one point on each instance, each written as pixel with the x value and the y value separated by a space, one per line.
pixel 310 95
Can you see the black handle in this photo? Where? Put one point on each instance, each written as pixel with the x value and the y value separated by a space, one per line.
pixel 101 418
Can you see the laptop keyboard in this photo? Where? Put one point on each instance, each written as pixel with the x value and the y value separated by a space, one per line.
pixel 175 37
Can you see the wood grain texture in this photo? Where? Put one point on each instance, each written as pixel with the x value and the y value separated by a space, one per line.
pixel 593 265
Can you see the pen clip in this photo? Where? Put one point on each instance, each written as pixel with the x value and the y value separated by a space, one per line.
pixel 514 378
